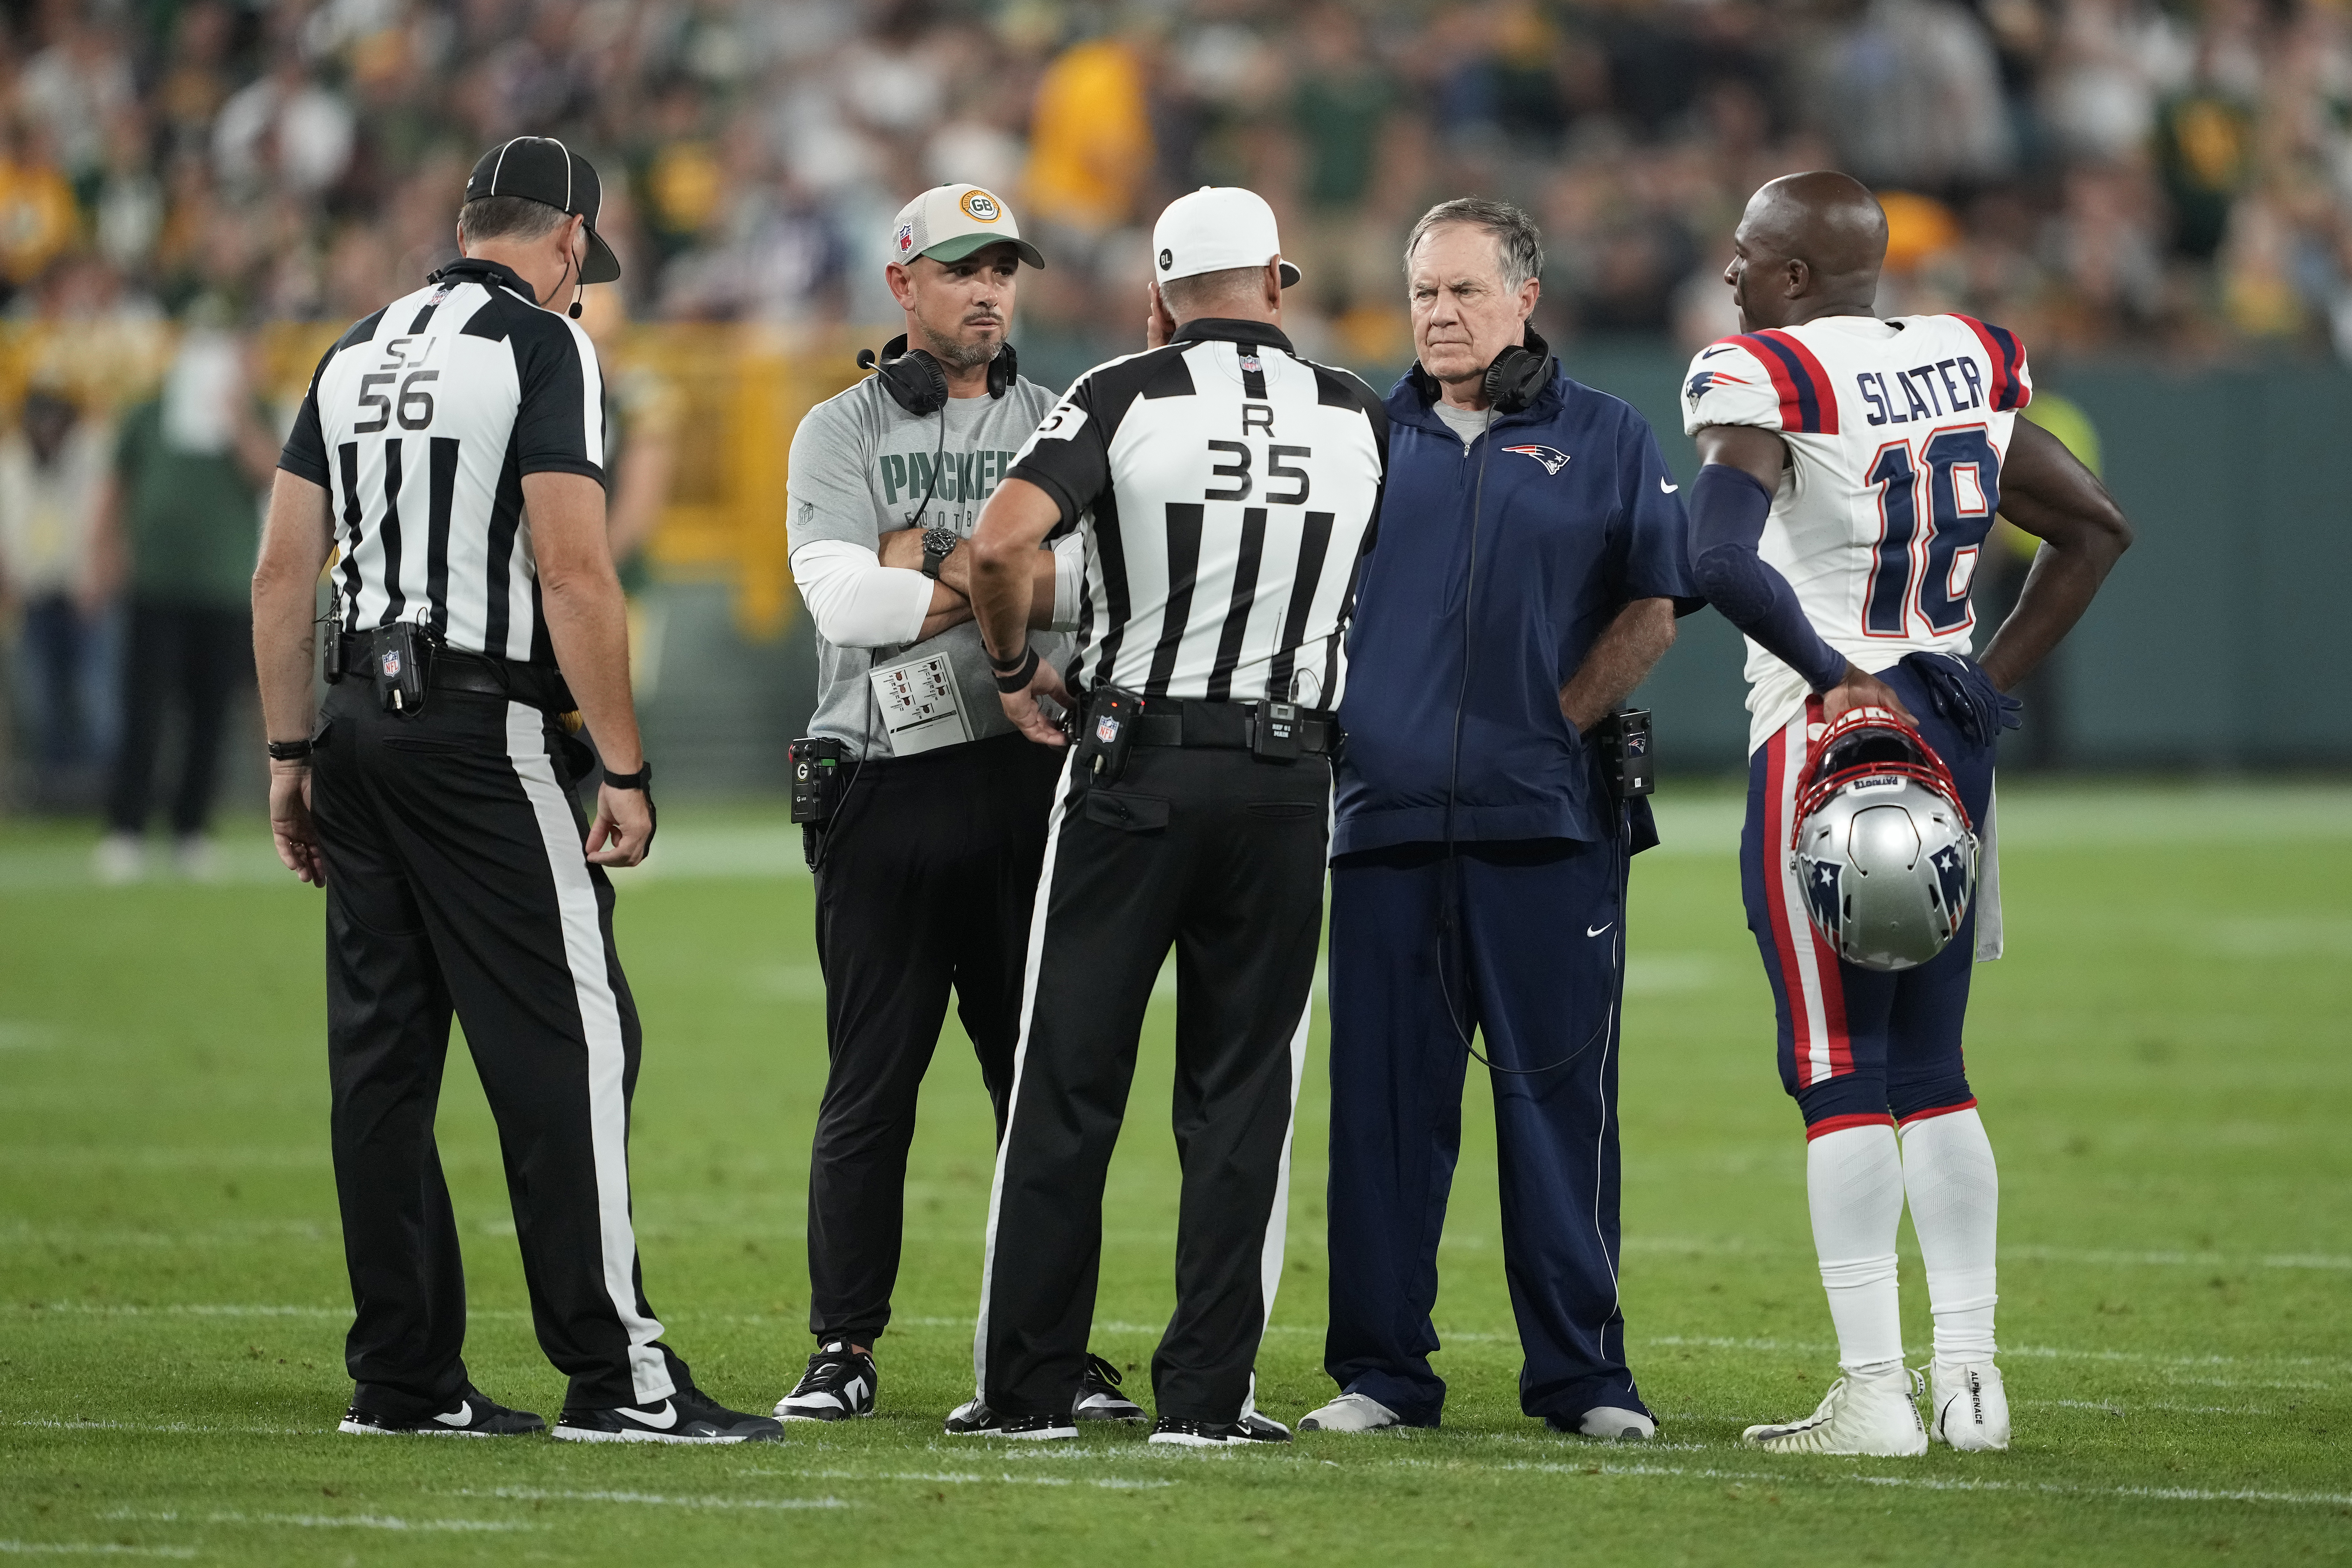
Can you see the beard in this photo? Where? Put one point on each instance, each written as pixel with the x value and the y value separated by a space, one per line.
pixel 957 355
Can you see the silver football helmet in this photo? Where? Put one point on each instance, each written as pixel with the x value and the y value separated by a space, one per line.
pixel 1882 847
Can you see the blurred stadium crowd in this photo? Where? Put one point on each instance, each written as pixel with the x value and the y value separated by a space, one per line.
pixel 2098 173
pixel 195 193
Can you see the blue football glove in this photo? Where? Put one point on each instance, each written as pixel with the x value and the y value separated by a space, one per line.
pixel 1965 696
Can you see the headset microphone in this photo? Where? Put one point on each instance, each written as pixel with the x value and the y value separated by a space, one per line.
pixel 866 360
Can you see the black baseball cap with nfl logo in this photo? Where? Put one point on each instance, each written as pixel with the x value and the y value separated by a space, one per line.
pixel 542 169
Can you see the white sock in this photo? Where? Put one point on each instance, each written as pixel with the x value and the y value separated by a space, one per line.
pixel 1955 1189
pixel 1855 1180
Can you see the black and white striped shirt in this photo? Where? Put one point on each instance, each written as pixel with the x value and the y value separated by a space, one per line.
pixel 421 423
pixel 1227 488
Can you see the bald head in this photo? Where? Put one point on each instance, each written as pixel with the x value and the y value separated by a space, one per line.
pixel 1808 245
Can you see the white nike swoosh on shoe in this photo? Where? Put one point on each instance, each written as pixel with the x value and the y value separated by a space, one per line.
pixel 1596 931
pixel 1666 487
pixel 662 1421
pixel 461 1416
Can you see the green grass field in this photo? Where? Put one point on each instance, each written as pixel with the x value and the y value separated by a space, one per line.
pixel 2162 1061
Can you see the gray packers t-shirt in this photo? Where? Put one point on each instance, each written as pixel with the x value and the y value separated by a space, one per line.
pixel 863 467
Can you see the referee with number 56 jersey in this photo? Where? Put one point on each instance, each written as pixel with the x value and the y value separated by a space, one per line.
pixel 1225 489
pixel 452 447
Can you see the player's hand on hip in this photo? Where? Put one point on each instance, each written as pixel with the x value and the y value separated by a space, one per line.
pixel 1859 689
pixel 1021 706
pixel 624 828
pixel 290 826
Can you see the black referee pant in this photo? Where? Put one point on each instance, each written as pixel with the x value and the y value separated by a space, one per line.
pixel 456 881
pixel 924 882
pixel 1221 855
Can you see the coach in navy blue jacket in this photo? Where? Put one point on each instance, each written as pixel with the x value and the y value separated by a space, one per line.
pixel 1530 563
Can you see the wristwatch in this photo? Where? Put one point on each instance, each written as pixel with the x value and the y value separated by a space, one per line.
pixel 939 543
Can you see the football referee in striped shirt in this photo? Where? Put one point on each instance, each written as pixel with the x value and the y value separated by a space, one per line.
pixel 452 449
pixel 1226 489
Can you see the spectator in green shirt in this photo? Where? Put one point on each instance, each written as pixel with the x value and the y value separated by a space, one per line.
pixel 1341 110
pixel 179 531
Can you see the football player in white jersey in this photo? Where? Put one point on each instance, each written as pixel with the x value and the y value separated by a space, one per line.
pixel 1852 467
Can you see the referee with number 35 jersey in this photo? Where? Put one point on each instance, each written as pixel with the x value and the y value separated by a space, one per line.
pixel 452 449
pixel 1225 489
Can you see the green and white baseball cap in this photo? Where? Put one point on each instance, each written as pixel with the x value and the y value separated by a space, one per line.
pixel 948 223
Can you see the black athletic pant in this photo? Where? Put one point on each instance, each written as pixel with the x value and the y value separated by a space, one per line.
pixel 456 880
pixel 199 658
pixel 924 881
pixel 1221 855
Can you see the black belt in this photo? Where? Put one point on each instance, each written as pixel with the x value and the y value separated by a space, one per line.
pixel 1225 726
pixel 454 670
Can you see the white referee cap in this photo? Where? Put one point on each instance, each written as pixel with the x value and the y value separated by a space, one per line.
pixel 1214 229
pixel 948 223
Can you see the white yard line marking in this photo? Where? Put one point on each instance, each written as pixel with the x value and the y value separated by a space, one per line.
pixel 1924 1483
pixel 80 1425
pixel 2123 1407
pixel 321 1521
pixel 536 1494
pixel 89 1549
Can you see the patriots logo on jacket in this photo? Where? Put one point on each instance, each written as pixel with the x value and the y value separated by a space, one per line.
pixel 1551 458
pixel 1707 379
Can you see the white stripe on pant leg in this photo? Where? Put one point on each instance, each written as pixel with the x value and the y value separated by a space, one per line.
pixel 1811 1027
pixel 1278 1219
pixel 600 1023
pixel 1029 962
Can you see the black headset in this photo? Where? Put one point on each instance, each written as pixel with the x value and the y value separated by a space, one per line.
pixel 916 383
pixel 1514 381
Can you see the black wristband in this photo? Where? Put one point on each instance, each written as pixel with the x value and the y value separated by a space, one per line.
pixel 1002 665
pixel 643 779
pixel 1018 678
pixel 289 750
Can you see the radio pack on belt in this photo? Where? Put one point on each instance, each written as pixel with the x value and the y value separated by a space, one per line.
pixel 1107 731
pixel 399 659
pixel 815 766
pixel 1623 739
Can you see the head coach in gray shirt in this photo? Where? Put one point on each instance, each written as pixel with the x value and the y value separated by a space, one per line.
pixel 929 856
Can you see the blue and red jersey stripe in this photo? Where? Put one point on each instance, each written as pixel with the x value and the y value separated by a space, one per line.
pixel 2007 357
pixel 1808 402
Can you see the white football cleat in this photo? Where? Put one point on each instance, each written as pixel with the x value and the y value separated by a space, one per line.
pixel 1860 1414
pixel 1352 1413
pixel 1617 1425
pixel 1970 1405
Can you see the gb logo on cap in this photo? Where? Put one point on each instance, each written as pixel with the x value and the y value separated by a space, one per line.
pixel 980 208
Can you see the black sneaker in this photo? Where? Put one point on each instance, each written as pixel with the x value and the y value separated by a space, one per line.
pixel 840 1382
pixel 1099 1396
pixel 473 1415
pixel 1250 1429
pixel 689 1416
pixel 973 1419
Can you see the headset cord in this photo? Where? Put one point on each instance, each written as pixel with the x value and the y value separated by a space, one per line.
pixel 1449 874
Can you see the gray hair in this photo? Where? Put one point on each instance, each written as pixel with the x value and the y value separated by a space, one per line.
pixel 508 217
pixel 1192 296
pixel 1519 242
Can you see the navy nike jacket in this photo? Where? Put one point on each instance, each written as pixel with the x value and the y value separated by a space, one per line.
pixel 1570 513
